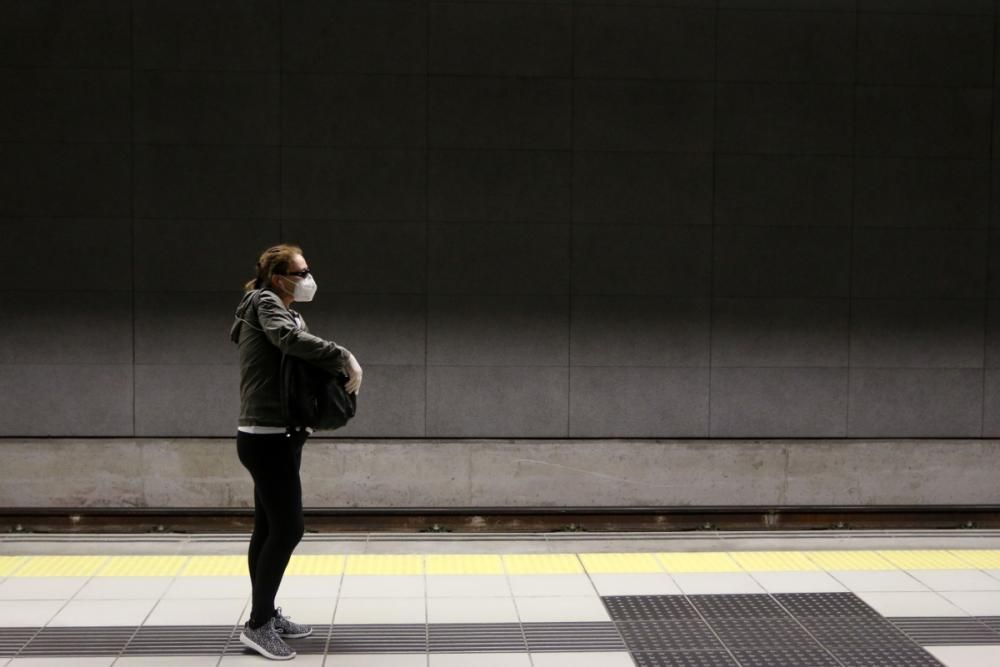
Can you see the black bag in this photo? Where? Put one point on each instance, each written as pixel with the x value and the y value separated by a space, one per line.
pixel 312 396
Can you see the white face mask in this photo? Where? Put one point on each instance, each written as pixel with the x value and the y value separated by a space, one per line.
pixel 305 289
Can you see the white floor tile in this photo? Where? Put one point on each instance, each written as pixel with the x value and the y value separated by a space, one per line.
pixel 208 587
pixel 376 660
pixel 695 583
pixel 381 610
pixel 168 661
pixel 28 613
pixel 471 610
pixel 551 584
pixel 910 604
pixel 301 586
pixel 389 586
pixel 798 582
pixel 62 662
pixel 590 659
pixel 221 611
pixel 634 584
pixel 103 612
pixel 124 588
pixel 966 656
pixel 479 660
pixel 864 580
pixel 300 660
pixel 976 603
pixel 311 611
pixel 41 588
pixel 479 585
pixel 563 608
pixel 956 580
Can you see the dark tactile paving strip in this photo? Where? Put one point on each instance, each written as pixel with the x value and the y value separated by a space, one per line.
pixel 851 630
pixel 648 607
pixel 761 632
pixel 685 659
pixel 314 644
pixel 672 635
pixel 737 606
pixel 181 640
pixel 871 637
pixel 947 631
pixel 841 624
pixel 825 604
pixel 378 638
pixel 990 622
pixel 579 636
pixel 795 629
pixel 786 656
pixel 78 641
pixel 12 639
pixel 476 637
pixel 888 656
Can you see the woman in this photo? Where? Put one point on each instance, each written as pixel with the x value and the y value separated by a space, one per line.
pixel 269 449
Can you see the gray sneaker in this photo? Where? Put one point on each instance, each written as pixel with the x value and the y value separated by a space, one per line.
pixel 266 641
pixel 288 630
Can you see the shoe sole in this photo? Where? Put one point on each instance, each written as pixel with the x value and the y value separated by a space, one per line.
pixel 298 636
pixel 246 641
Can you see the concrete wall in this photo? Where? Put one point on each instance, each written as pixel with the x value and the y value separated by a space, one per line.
pixel 754 218
pixel 507 473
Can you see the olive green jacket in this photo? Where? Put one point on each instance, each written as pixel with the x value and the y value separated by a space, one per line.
pixel 262 334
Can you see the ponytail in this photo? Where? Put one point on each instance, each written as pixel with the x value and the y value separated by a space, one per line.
pixel 275 259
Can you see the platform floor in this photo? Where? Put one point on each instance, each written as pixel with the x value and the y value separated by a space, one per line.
pixel 848 598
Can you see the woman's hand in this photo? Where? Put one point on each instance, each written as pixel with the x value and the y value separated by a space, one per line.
pixel 354 374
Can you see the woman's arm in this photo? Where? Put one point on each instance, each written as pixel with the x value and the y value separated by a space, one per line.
pixel 281 330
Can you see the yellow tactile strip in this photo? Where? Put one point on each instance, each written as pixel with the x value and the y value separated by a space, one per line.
pixel 142 566
pixel 850 560
pixel 10 564
pixel 499 564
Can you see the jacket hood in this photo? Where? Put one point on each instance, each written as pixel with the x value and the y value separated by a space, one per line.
pixel 241 312
pixel 243 307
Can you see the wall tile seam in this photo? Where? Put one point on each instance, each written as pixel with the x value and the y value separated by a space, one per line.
pixel 492 441
pixel 561 365
pixel 501 76
pixel 680 367
pixel 590 148
pixel 665 296
pixel 96 364
pixel 132 234
pixel 955 156
pixel 853 222
pixel 86 220
pixel 572 208
pixel 713 213
pixel 372 149
pixel 427 208
pixel 863 11
pixel 619 222
pixel 989 235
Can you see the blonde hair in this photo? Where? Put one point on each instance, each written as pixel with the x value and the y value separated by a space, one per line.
pixel 275 259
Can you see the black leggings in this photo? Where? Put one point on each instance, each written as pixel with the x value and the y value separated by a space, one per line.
pixel 273 461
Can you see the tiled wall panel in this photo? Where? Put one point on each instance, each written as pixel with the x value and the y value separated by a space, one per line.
pixel 557 218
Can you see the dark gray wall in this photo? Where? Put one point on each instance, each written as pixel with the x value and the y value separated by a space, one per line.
pixel 553 219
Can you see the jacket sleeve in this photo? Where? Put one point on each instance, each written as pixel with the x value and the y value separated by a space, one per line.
pixel 280 329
